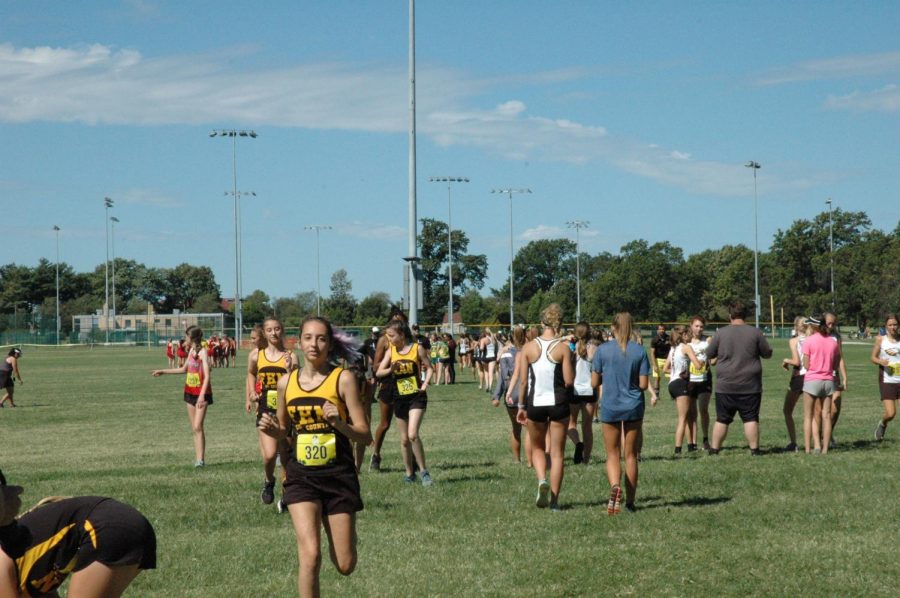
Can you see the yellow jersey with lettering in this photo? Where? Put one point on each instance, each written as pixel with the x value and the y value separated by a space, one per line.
pixel 267 375
pixel 319 448
pixel 406 372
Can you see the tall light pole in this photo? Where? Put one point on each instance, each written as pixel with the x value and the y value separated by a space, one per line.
pixel 577 225
pixel 108 203
pixel 317 228
pixel 449 180
pixel 755 166
pixel 238 311
pixel 56 228
pixel 412 258
pixel 510 191
pixel 112 236
pixel 831 249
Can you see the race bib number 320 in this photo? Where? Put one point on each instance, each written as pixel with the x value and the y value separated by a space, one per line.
pixel 316 450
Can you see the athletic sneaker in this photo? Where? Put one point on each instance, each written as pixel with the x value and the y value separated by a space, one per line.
pixel 543 495
pixel 692 448
pixel 879 431
pixel 375 463
pixel 410 479
pixel 282 508
pixel 579 453
pixel 597 420
pixel 677 450
pixel 554 507
pixel 756 452
pixel 705 444
pixel 630 507
pixel 614 507
pixel 832 443
pixel 200 463
pixel 792 447
pixel 268 493
pixel 426 479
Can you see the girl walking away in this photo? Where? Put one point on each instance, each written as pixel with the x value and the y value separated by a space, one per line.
pixel 821 357
pixel 410 367
pixel 624 369
pixel 507 389
pixel 319 403
pixel 886 355
pixel 102 543
pixel 489 350
pixel 545 370
pixel 9 369
pixel 197 388
pixel 265 366
pixel 795 386
pixel 584 396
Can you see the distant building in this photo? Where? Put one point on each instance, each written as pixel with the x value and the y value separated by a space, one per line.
pixel 122 327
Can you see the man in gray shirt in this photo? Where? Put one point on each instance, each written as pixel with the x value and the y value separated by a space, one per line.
pixel 736 351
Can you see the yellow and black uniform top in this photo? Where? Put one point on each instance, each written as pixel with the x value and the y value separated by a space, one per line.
pixel 267 375
pixel 406 372
pixel 320 449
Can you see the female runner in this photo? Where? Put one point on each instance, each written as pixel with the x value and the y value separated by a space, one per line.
pixel 265 366
pixel 320 402
pixel 410 367
pixel 795 386
pixel 545 370
pixel 102 543
pixel 387 392
pixel 508 390
pixel 489 357
pixel 584 396
pixel 700 381
pixel 624 368
pixel 886 355
pixel 197 388
pixel 821 357
pixel 9 369
pixel 677 366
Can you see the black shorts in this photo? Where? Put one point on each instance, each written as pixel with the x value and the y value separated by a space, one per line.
pixel 729 404
pixel 387 392
pixel 576 399
pixel 547 414
pixel 124 537
pixel 192 399
pixel 402 407
pixel 695 389
pixel 260 411
pixel 890 391
pixel 338 492
pixel 678 387
pixel 796 384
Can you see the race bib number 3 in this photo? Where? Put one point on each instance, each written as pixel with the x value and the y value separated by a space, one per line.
pixel 316 450
pixel 407 386
pixel 272 399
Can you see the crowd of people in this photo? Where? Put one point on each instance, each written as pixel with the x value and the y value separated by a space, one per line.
pixel 313 415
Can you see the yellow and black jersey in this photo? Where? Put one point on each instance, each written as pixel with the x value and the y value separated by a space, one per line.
pixel 406 372
pixel 70 534
pixel 267 375
pixel 319 448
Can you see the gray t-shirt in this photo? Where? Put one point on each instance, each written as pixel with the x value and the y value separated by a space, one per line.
pixel 737 349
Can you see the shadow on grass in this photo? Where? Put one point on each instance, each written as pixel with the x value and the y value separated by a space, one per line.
pixel 566 506
pixel 439 467
pixel 484 477
pixel 656 502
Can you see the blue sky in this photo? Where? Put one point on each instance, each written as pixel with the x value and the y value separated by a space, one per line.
pixel 637 117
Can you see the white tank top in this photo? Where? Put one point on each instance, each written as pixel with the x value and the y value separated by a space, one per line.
pixel 490 350
pixel 680 361
pixel 583 386
pixel 541 376
pixel 699 347
pixel 890 350
pixel 800 339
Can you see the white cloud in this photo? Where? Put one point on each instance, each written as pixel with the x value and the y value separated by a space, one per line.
pixel 839 67
pixel 369 231
pixel 886 99
pixel 541 231
pixel 147 197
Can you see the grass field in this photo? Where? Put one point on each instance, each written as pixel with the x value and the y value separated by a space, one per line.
pixel 93 421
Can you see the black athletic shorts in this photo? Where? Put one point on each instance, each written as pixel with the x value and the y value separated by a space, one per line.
pixel 695 389
pixel 678 387
pixel 338 492
pixel 262 410
pixel 577 399
pixel 387 391
pixel 729 404
pixel 192 399
pixel 547 414
pixel 124 537
pixel 796 384
pixel 402 407
pixel 890 391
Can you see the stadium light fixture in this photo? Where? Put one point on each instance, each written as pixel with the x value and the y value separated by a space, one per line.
pixel 317 228
pixel 755 166
pixel 577 225
pixel 509 191
pixel 449 180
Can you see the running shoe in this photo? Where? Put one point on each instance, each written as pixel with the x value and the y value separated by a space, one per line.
pixel 791 447
pixel 692 448
pixel 832 443
pixel 554 508
pixel 200 463
pixel 268 493
pixel 677 450
pixel 879 431
pixel 426 479
pixel 630 507
pixel 543 495
pixel 614 507
pixel 375 463
pixel 579 453
pixel 705 445
pixel 282 508
pixel 597 419
pixel 410 479
pixel 756 452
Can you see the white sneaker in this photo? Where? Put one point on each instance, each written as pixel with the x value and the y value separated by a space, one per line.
pixel 879 431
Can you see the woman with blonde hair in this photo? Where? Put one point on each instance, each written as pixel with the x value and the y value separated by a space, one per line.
pixel 489 350
pixel 545 370
pixel 795 386
pixel 583 400
pixel 676 366
pixel 622 369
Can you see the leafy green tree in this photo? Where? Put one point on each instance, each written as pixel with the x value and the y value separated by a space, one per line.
pixel 374 309
pixel 255 308
pixel 340 307
pixel 475 309
pixel 469 271
pixel 292 310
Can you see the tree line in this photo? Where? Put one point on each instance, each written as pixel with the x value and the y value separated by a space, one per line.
pixel 654 281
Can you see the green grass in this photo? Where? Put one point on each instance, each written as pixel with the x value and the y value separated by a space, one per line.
pixel 93 421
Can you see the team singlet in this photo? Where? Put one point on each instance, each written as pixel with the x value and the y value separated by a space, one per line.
pixel 405 368
pixel 193 381
pixel 319 448
pixel 267 375
pixel 890 350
